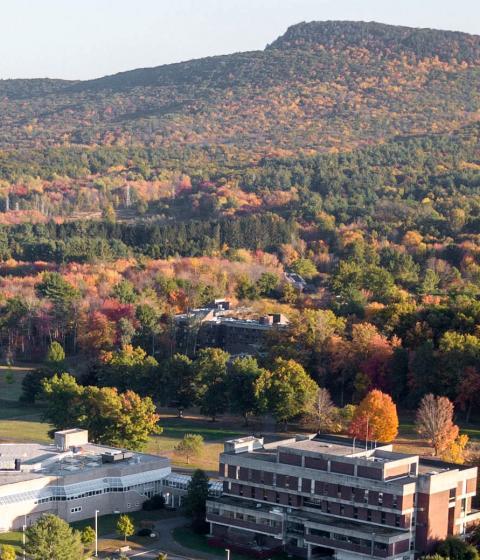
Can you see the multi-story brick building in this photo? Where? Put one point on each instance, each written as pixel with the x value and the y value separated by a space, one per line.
pixel 317 496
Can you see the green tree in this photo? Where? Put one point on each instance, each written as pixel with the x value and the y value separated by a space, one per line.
pixel 62 394
pixel 112 418
pixel 55 354
pixel 125 526
pixel 118 419
pixel 51 537
pixel 241 381
pixel 305 268
pixel 286 391
pixel 196 500
pixel 182 382
pixel 125 292
pixel 246 289
pixel 455 548
pixel 56 289
pixel 267 284
pixel 191 445
pixel 8 552
pixel 87 536
pixel 211 369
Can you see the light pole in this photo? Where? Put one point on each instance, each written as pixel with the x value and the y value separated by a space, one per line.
pixel 227 550
pixel 23 537
pixel 96 532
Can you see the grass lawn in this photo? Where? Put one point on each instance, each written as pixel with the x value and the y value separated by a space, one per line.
pixel 11 378
pixel 107 524
pixel 14 538
pixel 175 428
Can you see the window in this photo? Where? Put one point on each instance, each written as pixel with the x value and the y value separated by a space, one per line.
pixel 339 491
pixel 369 514
pixel 395 501
pixel 453 494
pixel 240 490
pixel 383 518
pixel 380 498
pixel 76 509
pixel 355 513
pixel 342 510
pixel 397 521
pixel 277 497
pixel 365 497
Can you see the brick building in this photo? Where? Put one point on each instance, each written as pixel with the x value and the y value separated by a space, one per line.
pixel 323 496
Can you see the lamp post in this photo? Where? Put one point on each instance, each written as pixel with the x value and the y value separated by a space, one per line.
pixel 227 550
pixel 96 532
pixel 23 537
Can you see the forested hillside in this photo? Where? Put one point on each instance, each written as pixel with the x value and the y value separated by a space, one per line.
pixel 348 153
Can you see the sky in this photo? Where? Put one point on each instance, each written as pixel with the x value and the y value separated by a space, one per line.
pixel 83 39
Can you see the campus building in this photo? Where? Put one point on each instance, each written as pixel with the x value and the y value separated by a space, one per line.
pixel 73 478
pixel 217 326
pixel 322 496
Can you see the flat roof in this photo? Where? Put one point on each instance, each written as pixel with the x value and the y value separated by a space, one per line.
pixel 37 460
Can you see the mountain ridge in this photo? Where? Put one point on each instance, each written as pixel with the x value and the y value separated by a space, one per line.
pixel 321 86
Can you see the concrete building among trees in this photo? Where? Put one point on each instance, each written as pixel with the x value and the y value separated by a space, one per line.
pixel 317 496
pixel 73 478
pixel 217 326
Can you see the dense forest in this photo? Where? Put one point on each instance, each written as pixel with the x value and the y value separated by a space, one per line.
pixel 348 153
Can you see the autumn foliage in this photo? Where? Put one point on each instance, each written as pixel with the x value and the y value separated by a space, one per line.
pixel 375 418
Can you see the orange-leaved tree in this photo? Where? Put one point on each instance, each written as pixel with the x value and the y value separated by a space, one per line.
pixel 435 422
pixel 375 418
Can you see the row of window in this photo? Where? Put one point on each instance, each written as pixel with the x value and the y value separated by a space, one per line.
pixel 145 489
pixel 357 495
pixel 244 517
pixel 348 539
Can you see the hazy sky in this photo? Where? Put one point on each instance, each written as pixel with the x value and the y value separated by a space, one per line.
pixel 90 38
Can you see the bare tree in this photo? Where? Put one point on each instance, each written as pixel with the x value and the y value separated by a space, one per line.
pixel 322 412
pixel 435 422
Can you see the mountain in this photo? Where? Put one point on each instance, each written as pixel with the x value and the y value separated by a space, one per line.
pixel 322 86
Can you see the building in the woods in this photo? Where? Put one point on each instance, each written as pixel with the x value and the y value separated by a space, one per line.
pixel 73 478
pixel 217 326
pixel 317 496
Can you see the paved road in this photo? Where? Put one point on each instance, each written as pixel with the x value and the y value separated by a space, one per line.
pixel 166 543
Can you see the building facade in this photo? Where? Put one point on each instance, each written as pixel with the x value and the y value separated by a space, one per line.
pixel 217 327
pixel 322 496
pixel 74 478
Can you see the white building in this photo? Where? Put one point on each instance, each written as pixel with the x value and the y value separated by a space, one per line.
pixel 72 478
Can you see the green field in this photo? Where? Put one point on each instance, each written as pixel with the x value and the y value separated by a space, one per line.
pixel 18 422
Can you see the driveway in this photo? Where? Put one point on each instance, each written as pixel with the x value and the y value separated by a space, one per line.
pixel 167 544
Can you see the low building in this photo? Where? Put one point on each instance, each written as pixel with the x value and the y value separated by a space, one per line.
pixel 217 326
pixel 73 478
pixel 322 496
